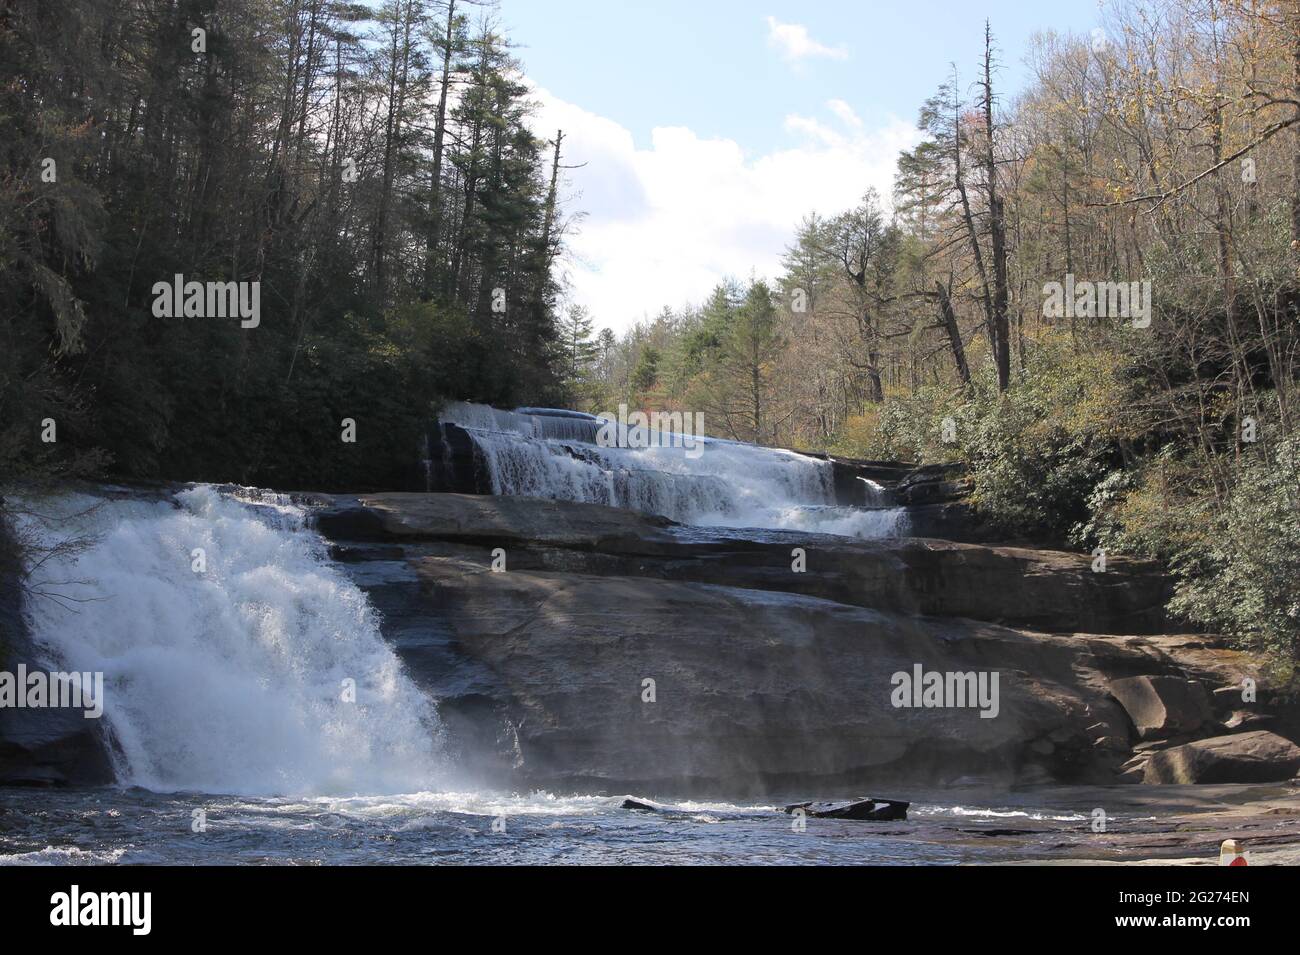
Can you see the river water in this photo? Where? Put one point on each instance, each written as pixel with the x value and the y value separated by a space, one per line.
pixel 127 826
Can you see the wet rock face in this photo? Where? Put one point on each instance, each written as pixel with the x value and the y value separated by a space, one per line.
pixel 1254 757
pixel 51 747
pixel 39 747
pixel 611 651
pixel 649 685
pixel 452 462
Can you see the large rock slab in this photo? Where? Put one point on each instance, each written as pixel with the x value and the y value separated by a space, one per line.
pixel 1042 590
pixel 1255 757
pixel 1163 706
pixel 750 692
pixel 765 680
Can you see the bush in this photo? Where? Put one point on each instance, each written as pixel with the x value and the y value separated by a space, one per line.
pixel 1035 453
pixel 904 428
pixel 1242 581
pixel 1157 509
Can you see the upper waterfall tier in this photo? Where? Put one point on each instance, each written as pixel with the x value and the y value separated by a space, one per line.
pixel 564 455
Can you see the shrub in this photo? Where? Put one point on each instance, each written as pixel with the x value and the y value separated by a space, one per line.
pixel 1157 509
pixel 1243 579
pixel 1037 452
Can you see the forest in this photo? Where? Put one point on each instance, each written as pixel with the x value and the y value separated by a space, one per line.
pixel 369 166
pixel 373 168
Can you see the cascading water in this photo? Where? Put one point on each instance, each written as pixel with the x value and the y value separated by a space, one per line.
pixel 227 641
pixel 722 484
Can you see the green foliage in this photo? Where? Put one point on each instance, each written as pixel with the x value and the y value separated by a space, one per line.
pixel 1157 509
pixel 647 369
pixel 1035 453
pixel 906 427
pixel 1242 578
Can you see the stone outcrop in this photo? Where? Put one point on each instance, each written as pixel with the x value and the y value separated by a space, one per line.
pixel 51 747
pixel 1043 590
pixel 1163 706
pixel 610 651
pixel 452 463
pixel 1253 757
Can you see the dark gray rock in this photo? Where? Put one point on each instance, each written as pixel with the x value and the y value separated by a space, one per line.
pixel 871 810
pixel 452 461
pixel 1244 720
pixel 39 747
pixel 638 806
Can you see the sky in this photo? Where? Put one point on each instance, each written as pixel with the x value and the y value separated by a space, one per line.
pixel 706 130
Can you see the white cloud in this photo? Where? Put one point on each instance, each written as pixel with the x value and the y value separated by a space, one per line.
pixel 795 42
pixel 845 112
pixel 664 224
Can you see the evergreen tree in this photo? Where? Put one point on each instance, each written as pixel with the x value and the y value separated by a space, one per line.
pixel 580 350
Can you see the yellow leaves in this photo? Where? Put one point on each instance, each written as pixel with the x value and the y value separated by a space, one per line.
pixel 860 434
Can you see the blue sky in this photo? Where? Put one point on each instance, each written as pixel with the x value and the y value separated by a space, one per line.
pixel 709 127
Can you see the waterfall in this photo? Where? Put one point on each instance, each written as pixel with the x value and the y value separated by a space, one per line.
pixel 227 642
pixel 554 454
pixel 877 494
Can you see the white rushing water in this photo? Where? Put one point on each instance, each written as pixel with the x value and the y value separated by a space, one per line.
pixel 230 678
pixel 722 484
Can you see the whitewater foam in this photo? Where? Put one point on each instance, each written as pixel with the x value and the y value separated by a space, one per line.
pixel 729 484
pixel 232 680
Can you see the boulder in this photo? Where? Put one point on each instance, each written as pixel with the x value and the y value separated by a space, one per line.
pixel 870 810
pixel 1163 706
pixel 1243 720
pixel 637 806
pixel 1255 757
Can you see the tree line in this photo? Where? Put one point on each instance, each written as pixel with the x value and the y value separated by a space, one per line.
pixel 370 166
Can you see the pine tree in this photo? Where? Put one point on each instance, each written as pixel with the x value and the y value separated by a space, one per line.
pixel 580 350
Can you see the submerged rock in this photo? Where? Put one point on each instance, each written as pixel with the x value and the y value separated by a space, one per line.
pixel 871 810
pixel 638 806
